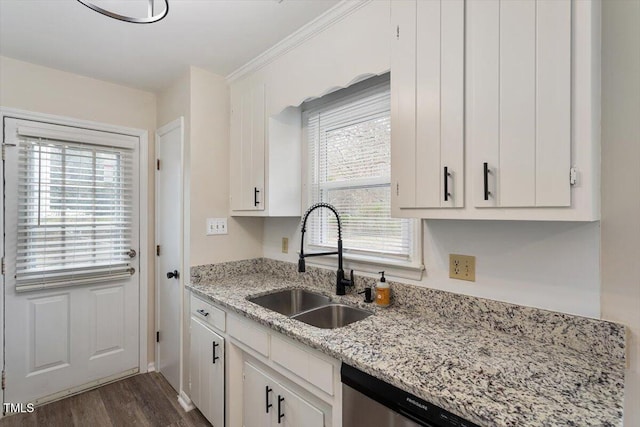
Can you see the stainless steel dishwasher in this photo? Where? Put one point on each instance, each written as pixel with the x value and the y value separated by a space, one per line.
pixel 370 402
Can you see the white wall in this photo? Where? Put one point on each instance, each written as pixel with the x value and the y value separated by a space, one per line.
pixel 621 183
pixel 550 265
pixel 45 90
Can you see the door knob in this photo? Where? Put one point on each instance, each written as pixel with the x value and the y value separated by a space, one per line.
pixel 173 274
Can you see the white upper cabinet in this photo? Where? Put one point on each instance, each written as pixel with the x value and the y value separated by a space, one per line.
pixel 427 91
pixel 247 134
pixel 265 155
pixel 518 109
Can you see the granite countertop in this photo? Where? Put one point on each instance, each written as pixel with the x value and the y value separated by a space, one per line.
pixel 466 366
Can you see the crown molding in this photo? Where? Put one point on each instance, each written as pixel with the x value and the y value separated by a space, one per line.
pixel 304 33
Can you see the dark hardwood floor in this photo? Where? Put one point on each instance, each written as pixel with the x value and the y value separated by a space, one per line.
pixel 141 400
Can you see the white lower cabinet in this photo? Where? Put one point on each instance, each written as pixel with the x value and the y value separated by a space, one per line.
pixel 207 360
pixel 266 402
pixel 242 373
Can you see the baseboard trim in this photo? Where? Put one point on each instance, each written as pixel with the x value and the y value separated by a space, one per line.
pixel 185 402
pixel 151 367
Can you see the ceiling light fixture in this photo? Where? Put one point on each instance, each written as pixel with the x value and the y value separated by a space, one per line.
pixel 133 19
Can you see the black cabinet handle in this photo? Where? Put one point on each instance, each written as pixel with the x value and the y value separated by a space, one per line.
pixel 255 196
pixel 486 181
pixel 201 311
pixel 215 344
pixel 446 184
pixel 268 405
pixel 173 274
pixel 280 413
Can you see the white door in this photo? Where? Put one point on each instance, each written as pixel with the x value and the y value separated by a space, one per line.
pixel 169 202
pixel 72 275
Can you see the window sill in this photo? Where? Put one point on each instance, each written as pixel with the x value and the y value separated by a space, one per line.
pixel 367 264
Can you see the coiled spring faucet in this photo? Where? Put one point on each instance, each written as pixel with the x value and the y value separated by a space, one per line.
pixel 341 282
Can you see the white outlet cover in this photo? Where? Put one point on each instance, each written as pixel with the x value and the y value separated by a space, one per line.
pixel 216 226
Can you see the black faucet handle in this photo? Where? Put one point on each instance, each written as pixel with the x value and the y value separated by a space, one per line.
pixel 351 279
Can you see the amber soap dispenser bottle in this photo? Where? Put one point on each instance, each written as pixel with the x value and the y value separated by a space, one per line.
pixel 383 292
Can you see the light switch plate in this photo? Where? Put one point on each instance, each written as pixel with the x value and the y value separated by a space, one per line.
pixel 216 226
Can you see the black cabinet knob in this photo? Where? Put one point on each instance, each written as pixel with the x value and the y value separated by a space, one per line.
pixel 173 274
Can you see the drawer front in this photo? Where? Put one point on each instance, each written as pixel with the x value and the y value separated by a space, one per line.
pixel 207 313
pixel 249 335
pixel 307 366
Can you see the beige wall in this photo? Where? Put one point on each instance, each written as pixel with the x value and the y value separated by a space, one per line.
pixel 621 183
pixel 45 90
pixel 209 177
pixel 175 101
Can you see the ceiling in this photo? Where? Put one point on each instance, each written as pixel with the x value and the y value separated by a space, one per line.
pixel 217 35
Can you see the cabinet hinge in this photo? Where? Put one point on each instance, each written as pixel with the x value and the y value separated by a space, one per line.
pixel 157 250
pixel 573 176
pixel 157 336
pixel 397 32
pixel 158 164
pixel 3 266
pixel 4 380
pixel 397 188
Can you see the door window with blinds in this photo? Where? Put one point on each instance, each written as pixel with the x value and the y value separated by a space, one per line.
pixel 349 166
pixel 73 202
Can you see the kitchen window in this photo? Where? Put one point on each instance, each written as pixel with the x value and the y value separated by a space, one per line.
pixel 348 164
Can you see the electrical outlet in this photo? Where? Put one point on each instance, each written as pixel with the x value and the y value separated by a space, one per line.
pixel 285 245
pixel 462 267
pixel 216 226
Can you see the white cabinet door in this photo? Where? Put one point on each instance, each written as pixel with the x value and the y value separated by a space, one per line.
pixel 247 151
pixel 519 112
pixel 266 402
pixel 403 104
pixel 294 411
pixel 257 398
pixel 427 86
pixel 207 372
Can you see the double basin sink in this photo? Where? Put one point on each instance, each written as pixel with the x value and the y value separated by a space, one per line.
pixel 311 308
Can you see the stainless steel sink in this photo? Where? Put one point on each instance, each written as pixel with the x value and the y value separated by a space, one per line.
pixel 291 301
pixel 332 316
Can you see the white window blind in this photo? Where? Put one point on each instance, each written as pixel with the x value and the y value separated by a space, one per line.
pixel 74 222
pixel 349 163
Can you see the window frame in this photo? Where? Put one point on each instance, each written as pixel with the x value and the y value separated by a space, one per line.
pixel 410 267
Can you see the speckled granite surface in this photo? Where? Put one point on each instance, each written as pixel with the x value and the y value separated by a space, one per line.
pixel 493 363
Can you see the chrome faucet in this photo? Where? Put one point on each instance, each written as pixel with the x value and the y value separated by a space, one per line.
pixel 341 282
